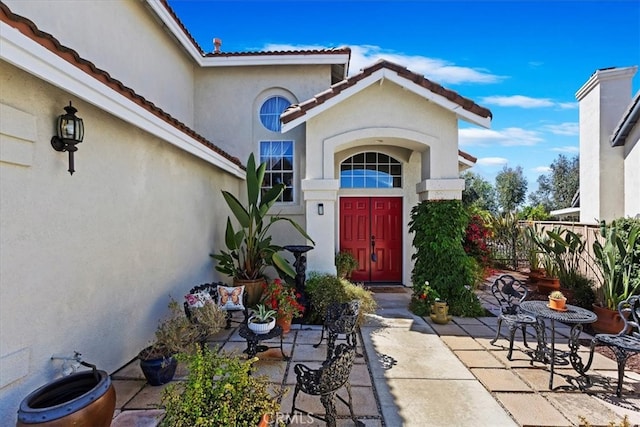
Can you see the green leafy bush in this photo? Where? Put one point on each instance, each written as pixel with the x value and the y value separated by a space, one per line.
pixel 323 289
pixel 219 391
pixel 439 229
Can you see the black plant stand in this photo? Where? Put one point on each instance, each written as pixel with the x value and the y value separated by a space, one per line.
pixel 300 264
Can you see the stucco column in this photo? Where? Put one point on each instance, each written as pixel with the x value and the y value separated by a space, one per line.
pixel 321 228
pixel 440 189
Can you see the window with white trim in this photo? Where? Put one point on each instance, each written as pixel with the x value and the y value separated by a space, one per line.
pixel 371 170
pixel 278 155
pixel 270 112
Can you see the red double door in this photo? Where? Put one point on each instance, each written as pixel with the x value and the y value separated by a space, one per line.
pixel 371 229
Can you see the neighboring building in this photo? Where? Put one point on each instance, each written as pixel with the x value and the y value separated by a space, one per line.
pixel 609 149
pixel 88 261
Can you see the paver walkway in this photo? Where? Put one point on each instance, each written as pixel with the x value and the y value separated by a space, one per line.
pixel 416 373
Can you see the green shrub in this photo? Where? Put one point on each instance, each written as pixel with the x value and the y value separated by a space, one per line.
pixel 219 391
pixel 439 229
pixel 323 289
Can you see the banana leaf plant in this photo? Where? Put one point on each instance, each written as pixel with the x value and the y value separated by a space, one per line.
pixel 616 261
pixel 249 247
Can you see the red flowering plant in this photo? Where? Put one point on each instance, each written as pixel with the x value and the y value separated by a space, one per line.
pixel 283 298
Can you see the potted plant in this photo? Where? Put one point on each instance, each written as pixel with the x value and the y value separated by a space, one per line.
pixel 283 298
pixel 177 334
pixel 234 398
pixel 249 247
pixel 262 320
pixel 618 262
pixel 533 254
pixel 346 263
pixel 557 301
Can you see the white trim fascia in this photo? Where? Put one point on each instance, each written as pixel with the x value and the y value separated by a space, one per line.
pixel 381 75
pixel 465 161
pixel 223 60
pixel 603 75
pixel 220 60
pixel 36 60
pixel 163 14
pixel 565 211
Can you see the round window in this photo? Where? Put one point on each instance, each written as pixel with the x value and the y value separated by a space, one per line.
pixel 271 110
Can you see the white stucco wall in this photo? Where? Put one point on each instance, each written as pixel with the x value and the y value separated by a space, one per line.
pixel 87 262
pixel 632 173
pixel 227 101
pixel 124 38
pixel 603 100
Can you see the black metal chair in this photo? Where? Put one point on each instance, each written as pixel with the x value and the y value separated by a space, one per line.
pixel 325 382
pixel 626 342
pixel 341 319
pixel 510 292
pixel 212 290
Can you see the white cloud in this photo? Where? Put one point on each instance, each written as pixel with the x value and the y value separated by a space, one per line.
pixel 522 101
pixel 492 161
pixel 567 149
pixel 438 70
pixel 542 169
pixel 507 137
pixel 518 101
pixel 567 128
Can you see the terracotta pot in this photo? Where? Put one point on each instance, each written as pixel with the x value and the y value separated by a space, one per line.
pixel 253 288
pixel 546 285
pixel 557 303
pixel 535 275
pixel 609 321
pixel 264 421
pixel 285 323
pixel 81 399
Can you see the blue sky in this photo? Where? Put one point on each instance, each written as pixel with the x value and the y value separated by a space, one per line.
pixel 524 60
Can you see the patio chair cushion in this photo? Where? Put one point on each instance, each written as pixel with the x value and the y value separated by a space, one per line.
pixel 198 299
pixel 231 297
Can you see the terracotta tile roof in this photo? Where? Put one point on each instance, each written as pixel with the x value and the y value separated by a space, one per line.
pixel 331 51
pixel 299 110
pixel 173 14
pixel 467 156
pixel 30 30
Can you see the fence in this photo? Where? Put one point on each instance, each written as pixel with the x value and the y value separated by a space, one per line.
pixel 509 247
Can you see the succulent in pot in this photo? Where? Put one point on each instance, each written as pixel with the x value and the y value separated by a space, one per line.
pixel 262 320
pixel 557 300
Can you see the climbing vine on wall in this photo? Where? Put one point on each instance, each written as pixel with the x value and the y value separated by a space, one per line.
pixel 439 230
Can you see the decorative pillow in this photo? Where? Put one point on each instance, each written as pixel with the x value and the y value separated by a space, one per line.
pixel 230 297
pixel 198 299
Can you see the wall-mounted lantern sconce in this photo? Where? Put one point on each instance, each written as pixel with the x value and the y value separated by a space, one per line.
pixel 320 208
pixel 70 131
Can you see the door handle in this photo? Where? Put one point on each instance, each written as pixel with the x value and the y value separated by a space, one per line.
pixel 374 256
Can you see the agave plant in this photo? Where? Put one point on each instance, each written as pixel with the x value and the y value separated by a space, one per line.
pixel 249 248
pixel 616 261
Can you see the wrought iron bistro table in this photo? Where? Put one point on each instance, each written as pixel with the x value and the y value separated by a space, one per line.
pixel 253 339
pixel 573 315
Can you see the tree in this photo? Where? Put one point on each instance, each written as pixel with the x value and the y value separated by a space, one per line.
pixel 511 188
pixel 478 193
pixel 557 188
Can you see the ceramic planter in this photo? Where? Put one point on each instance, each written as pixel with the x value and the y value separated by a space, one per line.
pixel 261 328
pixel 253 288
pixel 159 370
pixel 83 399
pixel 558 303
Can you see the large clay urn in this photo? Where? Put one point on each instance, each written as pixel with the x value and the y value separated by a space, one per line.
pixel 609 321
pixel 83 399
pixel 253 288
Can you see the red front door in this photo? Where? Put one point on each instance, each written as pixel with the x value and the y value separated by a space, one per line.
pixel 371 229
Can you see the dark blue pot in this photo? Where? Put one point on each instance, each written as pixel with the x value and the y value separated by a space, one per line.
pixel 159 371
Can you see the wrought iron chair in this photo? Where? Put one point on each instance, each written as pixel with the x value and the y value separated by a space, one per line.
pixel 626 342
pixel 325 382
pixel 212 290
pixel 341 319
pixel 510 292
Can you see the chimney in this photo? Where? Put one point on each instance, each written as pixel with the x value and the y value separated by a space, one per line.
pixel 216 45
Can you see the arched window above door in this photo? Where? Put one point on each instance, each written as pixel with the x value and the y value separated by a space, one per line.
pixel 371 170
